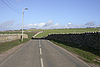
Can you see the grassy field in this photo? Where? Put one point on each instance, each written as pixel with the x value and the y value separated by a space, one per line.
pixel 77 30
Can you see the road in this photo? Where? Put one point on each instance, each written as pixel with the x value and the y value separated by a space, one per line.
pixel 41 53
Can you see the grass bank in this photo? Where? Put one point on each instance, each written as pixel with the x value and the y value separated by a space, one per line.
pixel 84 55
pixel 60 31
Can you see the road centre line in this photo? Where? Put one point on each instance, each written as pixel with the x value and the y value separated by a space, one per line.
pixel 42 62
pixel 41 59
pixel 39 44
pixel 40 51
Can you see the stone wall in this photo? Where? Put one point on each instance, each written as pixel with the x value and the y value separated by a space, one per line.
pixel 85 41
pixel 11 37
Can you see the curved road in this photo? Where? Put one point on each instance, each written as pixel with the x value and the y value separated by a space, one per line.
pixel 41 53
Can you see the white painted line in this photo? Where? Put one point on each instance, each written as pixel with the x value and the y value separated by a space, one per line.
pixel 41 59
pixel 42 62
pixel 70 53
pixel 40 51
pixel 39 44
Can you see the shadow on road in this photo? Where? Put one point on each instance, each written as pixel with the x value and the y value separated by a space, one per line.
pixel 38 39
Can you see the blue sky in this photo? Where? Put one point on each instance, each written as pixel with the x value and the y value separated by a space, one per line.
pixel 53 12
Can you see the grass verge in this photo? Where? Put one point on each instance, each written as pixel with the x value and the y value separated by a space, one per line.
pixel 84 55
pixel 8 45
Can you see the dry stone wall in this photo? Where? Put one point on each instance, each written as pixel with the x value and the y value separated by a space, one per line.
pixel 86 41
pixel 11 37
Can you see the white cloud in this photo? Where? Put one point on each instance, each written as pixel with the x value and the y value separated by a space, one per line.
pixel 10 25
pixel 51 25
pixel 43 25
pixel 70 25
pixel 30 24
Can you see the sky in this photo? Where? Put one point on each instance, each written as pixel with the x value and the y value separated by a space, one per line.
pixel 48 14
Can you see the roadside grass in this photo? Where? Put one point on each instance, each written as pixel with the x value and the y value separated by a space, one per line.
pixel 84 55
pixel 8 45
pixel 30 34
pixel 46 32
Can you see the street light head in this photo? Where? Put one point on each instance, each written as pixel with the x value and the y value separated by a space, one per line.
pixel 26 9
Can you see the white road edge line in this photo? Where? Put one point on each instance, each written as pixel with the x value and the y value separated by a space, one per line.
pixel 70 53
pixel 40 51
pixel 42 63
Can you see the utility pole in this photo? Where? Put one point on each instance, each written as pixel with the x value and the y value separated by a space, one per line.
pixel 23 22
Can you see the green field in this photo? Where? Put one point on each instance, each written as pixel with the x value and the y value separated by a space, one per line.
pixel 75 30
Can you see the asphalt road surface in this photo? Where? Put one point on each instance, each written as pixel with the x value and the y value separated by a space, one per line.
pixel 41 53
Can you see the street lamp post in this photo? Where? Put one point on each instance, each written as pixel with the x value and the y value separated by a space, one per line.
pixel 23 22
